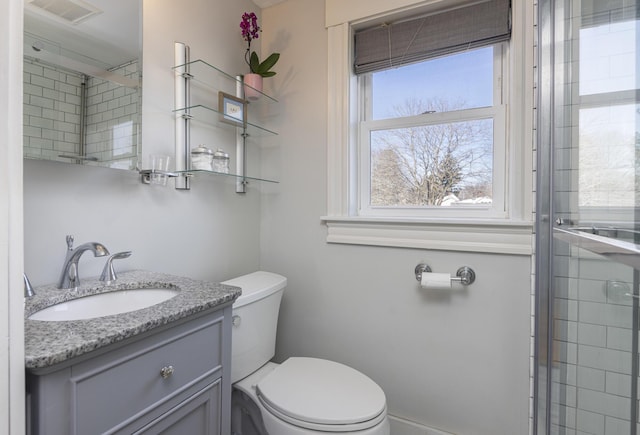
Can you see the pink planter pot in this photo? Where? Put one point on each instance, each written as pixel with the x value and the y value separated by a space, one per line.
pixel 253 86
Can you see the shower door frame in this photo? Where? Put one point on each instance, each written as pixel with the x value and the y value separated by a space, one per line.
pixel 544 226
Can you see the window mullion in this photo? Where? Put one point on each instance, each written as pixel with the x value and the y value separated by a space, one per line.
pixel 432 118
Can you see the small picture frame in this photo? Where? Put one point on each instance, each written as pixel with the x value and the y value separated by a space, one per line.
pixel 232 109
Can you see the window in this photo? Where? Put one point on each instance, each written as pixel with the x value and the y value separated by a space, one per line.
pixel 431 137
pixel 394 89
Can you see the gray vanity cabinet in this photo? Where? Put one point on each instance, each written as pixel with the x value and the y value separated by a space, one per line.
pixel 170 380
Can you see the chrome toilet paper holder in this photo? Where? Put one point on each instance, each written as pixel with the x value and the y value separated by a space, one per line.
pixel 465 275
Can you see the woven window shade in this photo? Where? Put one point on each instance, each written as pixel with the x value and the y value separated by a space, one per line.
pixel 396 44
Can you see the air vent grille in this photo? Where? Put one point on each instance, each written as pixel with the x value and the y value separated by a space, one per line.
pixel 71 11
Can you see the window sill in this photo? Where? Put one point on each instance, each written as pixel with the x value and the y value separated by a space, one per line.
pixel 486 236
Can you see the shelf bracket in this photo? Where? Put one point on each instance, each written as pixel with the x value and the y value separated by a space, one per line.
pixel 241 137
pixel 145 175
pixel 182 91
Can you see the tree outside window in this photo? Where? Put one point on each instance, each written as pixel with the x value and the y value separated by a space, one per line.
pixel 432 165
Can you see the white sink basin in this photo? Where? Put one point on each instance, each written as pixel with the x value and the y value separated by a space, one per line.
pixel 104 304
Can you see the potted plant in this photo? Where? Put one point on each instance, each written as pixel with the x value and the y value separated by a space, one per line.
pixel 259 70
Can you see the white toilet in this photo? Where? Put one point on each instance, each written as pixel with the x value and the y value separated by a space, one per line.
pixel 301 396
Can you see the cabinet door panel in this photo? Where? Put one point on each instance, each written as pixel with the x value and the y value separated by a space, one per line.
pixel 198 415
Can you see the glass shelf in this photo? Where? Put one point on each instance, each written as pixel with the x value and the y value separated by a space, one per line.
pixel 202 71
pixel 201 89
pixel 203 113
pixel 620 251
pixel 193 172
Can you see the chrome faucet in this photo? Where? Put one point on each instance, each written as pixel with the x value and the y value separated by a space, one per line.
pixel 69 277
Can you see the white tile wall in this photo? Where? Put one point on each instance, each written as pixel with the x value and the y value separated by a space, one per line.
pixel 593 317
pixel 592 347
pixel 112 118
pixel 51 105
pixel 52 115
pixel 590 422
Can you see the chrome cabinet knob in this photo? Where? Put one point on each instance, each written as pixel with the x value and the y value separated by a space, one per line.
pixel 166 372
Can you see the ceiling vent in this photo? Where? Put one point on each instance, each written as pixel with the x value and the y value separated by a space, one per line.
pixel 69 11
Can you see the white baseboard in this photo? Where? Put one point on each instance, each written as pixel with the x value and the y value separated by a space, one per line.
pixel 400 426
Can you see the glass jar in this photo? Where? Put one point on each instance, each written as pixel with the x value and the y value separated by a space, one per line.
pixel 201 158
pixel 221 161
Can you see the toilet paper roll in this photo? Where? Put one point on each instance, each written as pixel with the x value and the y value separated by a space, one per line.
pixel 435 281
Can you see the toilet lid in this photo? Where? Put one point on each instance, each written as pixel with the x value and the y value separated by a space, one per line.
pixel 311 392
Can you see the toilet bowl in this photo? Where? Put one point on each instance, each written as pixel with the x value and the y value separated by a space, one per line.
pixel 301 396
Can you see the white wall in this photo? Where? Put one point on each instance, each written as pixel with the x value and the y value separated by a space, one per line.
pixel 458 362
pixel 209 232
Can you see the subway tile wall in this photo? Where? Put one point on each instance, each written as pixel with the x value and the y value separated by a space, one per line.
pixel 594 177
pixel 51 108
pixel 592 342
pixel 113 120
pixel 52 112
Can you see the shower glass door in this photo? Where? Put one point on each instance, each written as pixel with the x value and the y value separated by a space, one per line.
pixel 588 229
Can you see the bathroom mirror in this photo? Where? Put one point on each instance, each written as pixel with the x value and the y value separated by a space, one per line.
pixel 82 81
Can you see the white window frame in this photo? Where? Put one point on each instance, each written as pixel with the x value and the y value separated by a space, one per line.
pixel 509 232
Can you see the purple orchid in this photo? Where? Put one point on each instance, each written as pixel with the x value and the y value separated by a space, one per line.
pixel 250 31
pixel 249 26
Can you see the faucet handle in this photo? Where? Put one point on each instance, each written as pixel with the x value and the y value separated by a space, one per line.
pixel 70 242
pixel 28 288
pixel 109 273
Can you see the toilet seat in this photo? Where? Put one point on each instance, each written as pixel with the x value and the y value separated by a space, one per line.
pixel 322 395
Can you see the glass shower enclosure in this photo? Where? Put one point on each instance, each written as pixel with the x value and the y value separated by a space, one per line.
pixel 588 217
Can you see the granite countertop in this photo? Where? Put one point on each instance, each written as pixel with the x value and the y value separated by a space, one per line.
pixel 49 343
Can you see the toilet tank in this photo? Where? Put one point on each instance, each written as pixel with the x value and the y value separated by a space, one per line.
pixel 255 321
